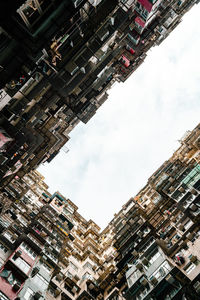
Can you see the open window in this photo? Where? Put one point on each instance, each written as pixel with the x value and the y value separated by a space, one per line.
pixel 32 10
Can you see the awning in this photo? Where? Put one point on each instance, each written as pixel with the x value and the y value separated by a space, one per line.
pixel 140 22
pixel 146 4
pixel 125 61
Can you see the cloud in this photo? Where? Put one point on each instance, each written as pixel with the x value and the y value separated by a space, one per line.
pixel 135 131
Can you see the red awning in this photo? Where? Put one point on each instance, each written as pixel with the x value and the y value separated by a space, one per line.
pixel 139 21
pixel 146 4
pixel 125 61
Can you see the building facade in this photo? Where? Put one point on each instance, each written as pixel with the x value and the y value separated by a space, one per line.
pixel 58 60
pixel 149 250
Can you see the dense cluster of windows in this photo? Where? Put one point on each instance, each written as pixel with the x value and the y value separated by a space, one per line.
pixel 28 250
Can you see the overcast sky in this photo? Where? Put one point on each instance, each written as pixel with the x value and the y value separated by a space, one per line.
pixel 136 129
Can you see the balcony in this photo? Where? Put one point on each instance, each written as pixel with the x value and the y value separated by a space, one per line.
pixel 194 209
pixel 50 256
pixel 19 264
pixel 35 243
pixel 4 224
pixel 10 283
pixel 9 238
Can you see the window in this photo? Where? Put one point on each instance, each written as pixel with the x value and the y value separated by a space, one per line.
pixel 3 248
pixel 9 236
pixel 41 283
pixel 154 258
pixel 31 11
pixel 87 265
pixel 73 266
pixel 22 220
pixel 28 250
pixel 190 268
pixel 133 277
pixel 87 276
pixel 47 268
pixel 28 295
pixel 68 274
pixel 22 265
pixel 188 224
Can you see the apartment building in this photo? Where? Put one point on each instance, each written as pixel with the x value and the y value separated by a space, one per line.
pixel 149 250
pixel 58 60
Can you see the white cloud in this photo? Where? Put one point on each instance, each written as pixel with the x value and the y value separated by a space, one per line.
pixel 113 155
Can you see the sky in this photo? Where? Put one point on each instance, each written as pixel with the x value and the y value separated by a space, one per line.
pixel 135 130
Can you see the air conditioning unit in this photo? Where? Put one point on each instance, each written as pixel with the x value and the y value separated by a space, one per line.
pixel 145 261
pixel 59 277
pixel 193 191
pixel 143 281
pixel 181 189
pixel 76 278
pixel 190 236
pixel 37 295
pixel 170 278
pixel 34 271
pixel 139 266
pixel 181 227
pixel 91 286
pixel 17 254
pixel 134 253
pixel 162 272
pixel 193 207
pixel 57 292
pixel 154 281
pixel 140 233
pixel 15 236
pixel 74 289
pixel 193 258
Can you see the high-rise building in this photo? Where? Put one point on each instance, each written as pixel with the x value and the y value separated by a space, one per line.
pixel 58 60
pixel 148 251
